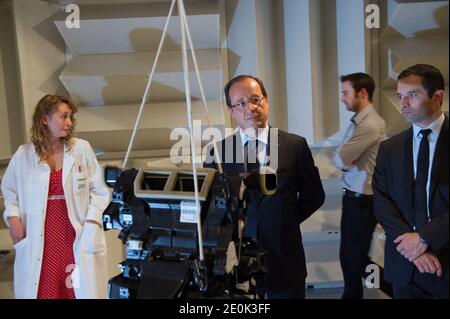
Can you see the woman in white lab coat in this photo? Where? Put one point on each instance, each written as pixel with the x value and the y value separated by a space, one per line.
pixel 54 199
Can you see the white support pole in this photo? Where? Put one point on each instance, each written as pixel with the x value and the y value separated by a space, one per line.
pixel 202 91
pixel 147 89
pixel 182 13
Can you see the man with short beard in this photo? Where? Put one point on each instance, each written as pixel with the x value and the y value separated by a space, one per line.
pixel 355 158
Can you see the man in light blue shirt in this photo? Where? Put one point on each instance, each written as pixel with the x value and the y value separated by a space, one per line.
pixel 355 158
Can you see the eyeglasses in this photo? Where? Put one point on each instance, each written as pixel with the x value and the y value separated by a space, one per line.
pixel 255 100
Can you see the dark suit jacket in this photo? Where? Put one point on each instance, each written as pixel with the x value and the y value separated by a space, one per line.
pixel 299 194
pixel 393 186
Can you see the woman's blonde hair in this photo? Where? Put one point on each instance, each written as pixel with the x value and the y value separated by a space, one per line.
pixel 40 135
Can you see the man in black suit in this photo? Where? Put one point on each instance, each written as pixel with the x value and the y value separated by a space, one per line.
pixel 411 189
pixel 299 190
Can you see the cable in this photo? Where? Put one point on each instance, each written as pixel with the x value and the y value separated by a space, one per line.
pixel 202 92
pixel 147 89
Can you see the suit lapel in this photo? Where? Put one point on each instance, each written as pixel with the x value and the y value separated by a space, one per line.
pixel 232 153
pixel 439 153
pixel 408 171
pixel 273 151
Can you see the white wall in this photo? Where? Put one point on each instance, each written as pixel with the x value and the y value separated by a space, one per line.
pixel 351 44
pixel 241 17
pixel 255 42
pixel 41 53
pixel 298 68
pixel 266 43
pixel 311 71
pixel 5 144
pixel 11 136
pixel 329 86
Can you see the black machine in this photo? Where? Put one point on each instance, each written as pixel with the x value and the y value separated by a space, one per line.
pixel 171 250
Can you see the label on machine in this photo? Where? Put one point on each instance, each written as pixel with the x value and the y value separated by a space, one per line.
pixel 189 214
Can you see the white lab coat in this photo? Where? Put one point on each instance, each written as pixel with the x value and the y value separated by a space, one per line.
pixel 25 190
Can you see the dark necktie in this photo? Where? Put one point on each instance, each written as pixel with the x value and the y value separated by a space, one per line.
pixel 252 164
pixel 420 185
pixel 251 151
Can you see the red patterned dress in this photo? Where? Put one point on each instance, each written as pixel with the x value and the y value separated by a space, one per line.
pixel 58 260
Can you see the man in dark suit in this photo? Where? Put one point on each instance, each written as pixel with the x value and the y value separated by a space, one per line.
pixel 299 192
pixel 411 189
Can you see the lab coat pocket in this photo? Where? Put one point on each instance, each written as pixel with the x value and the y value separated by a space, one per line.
pixel 80 188
pixel 93 239
pixel 21 243
pixel 21 267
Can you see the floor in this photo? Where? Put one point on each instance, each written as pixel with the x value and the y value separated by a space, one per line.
pixel 6 275
pixel 6 284
pixel 335 293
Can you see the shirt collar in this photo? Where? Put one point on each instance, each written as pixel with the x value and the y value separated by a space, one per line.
pixel 436 126
pixel 262 137
pixel 358 118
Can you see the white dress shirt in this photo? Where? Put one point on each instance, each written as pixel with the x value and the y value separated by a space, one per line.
pixel 435 128
pixel 356 155
pixel 263 141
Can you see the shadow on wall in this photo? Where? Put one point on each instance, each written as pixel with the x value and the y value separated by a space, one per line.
pixel 233 58
pixel 48 87
pixel 117 141
pixel 395 61
pixel 131 89
pixel 441 17
pixel 77 99
pixel 48 31
pixel 230 12
pixel 11 82
pixel 233 61
pixel 148 39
